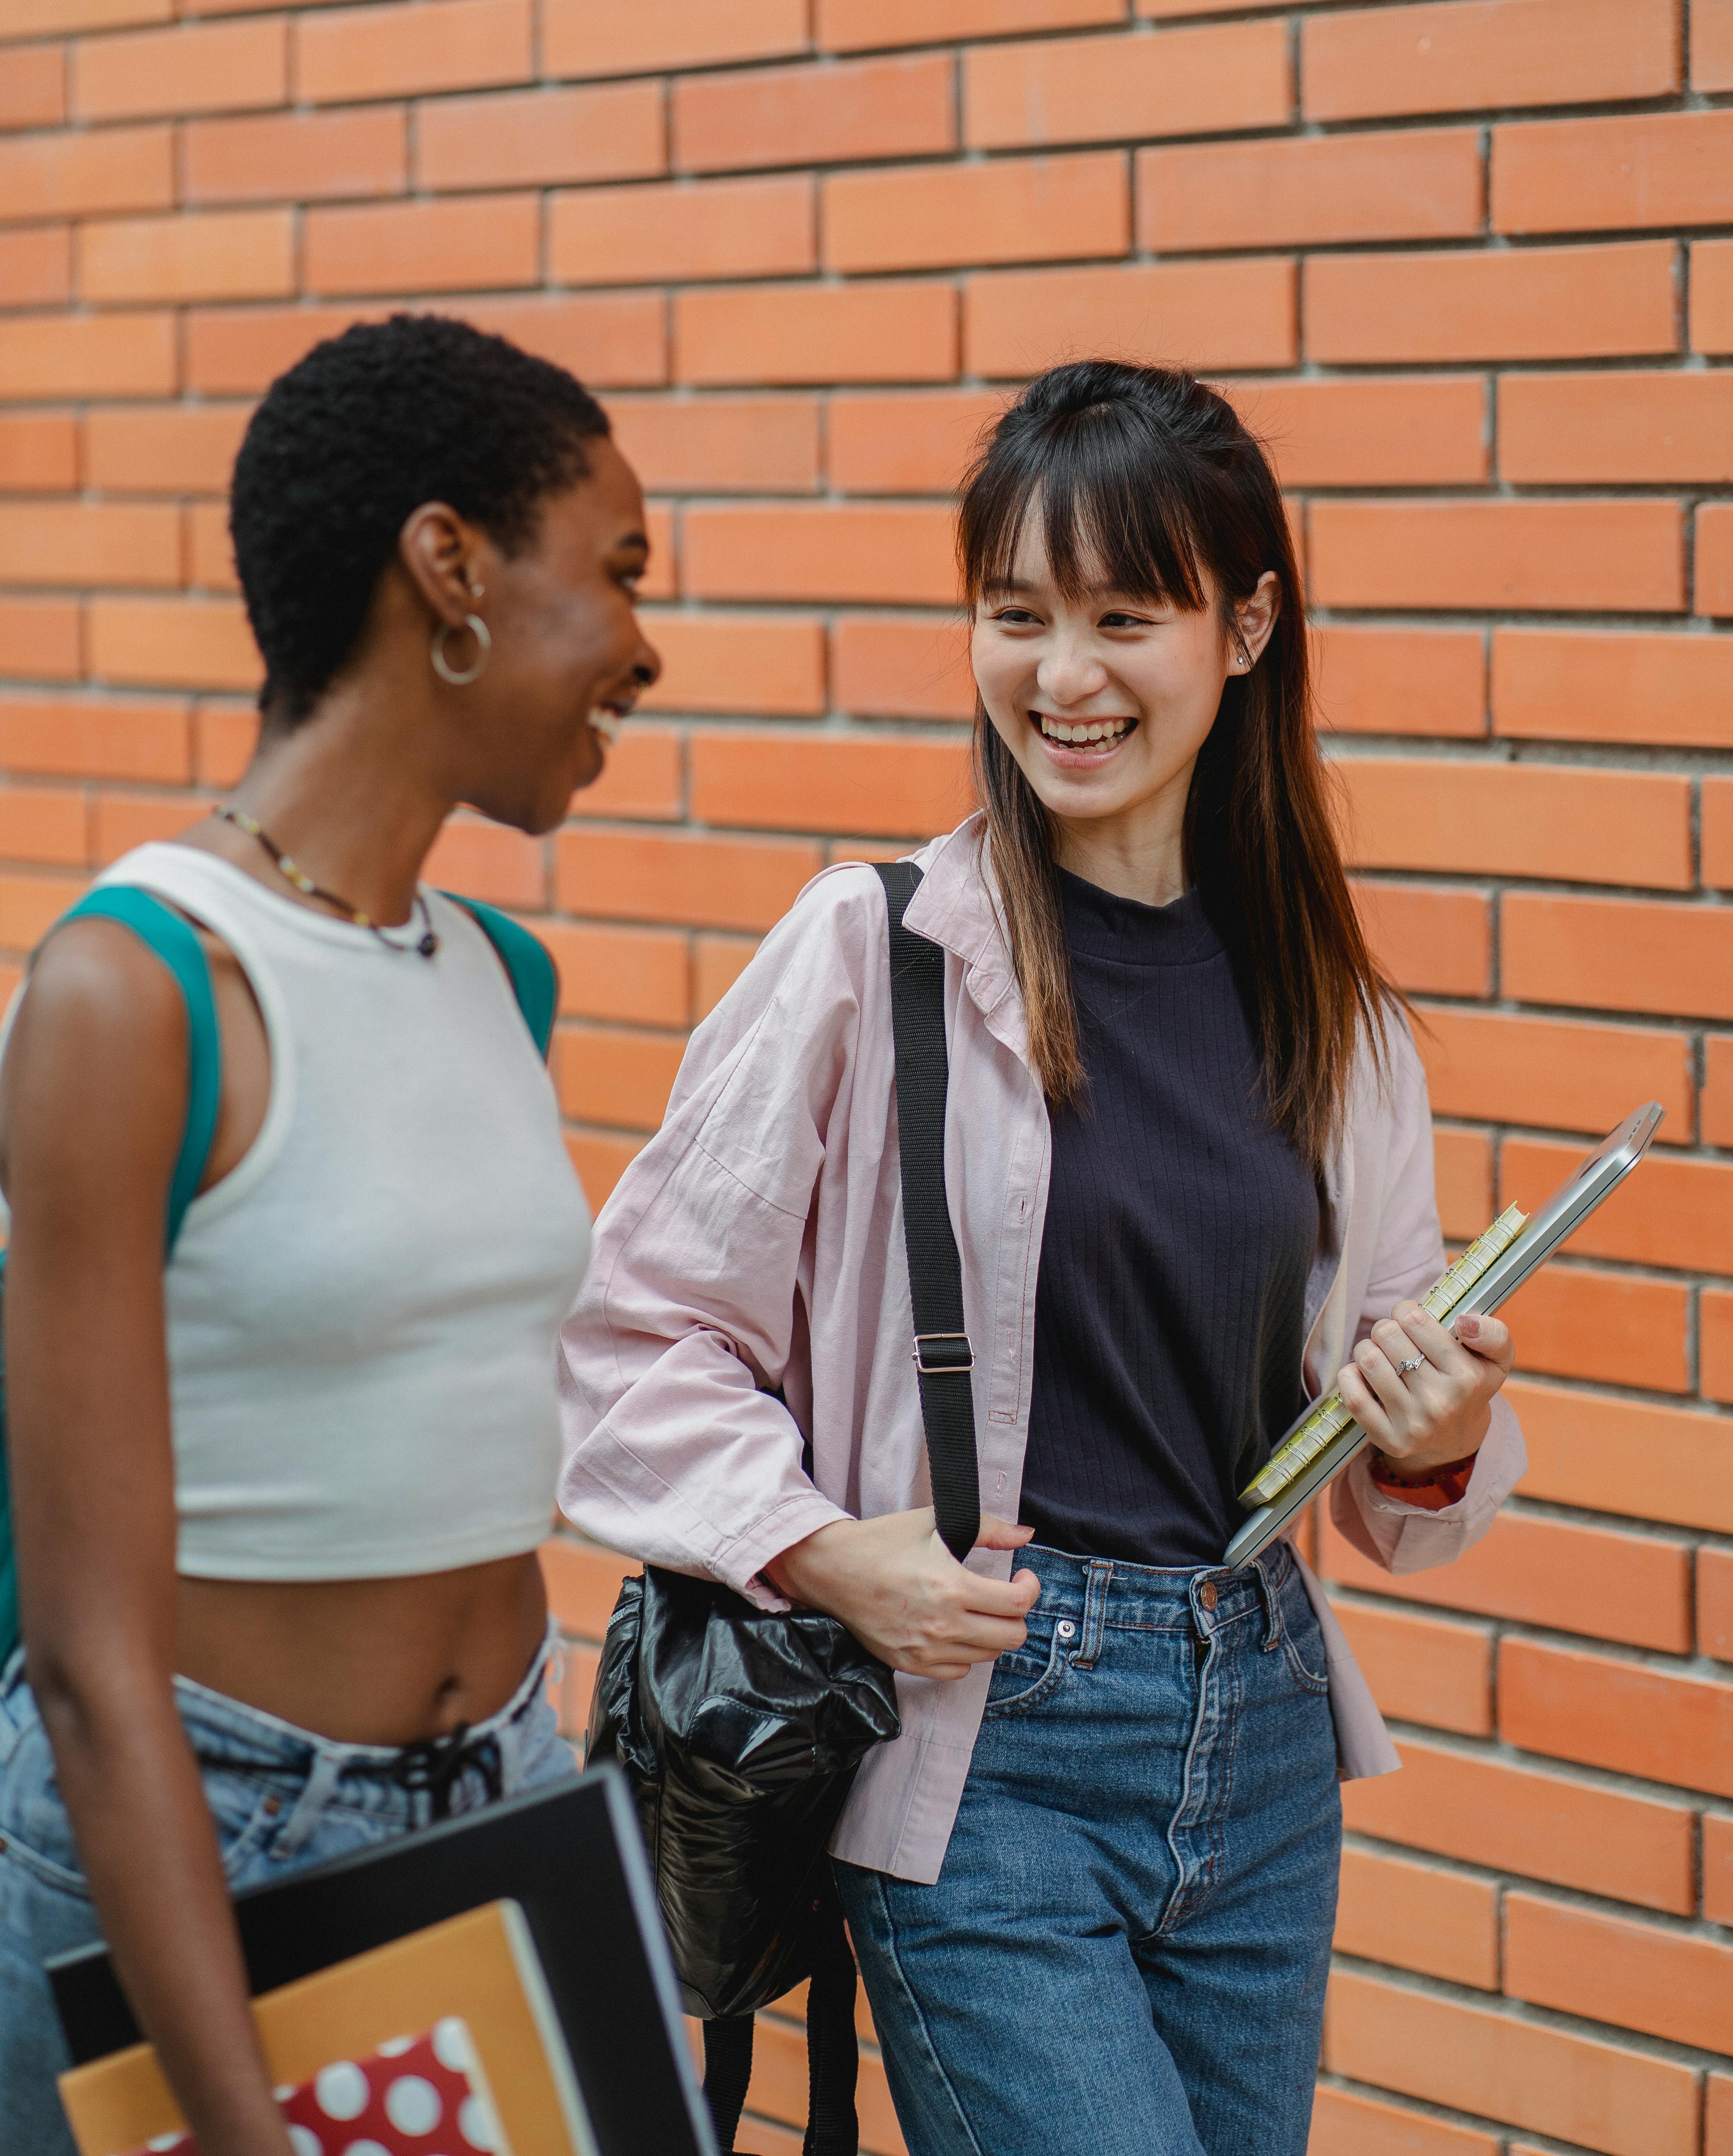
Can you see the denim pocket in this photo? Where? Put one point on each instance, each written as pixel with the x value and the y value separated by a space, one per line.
pixel 1026 1677
pixel 248 1805
pixel 36 1828
pixel 1302 1641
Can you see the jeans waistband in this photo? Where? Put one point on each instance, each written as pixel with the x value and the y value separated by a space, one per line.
pixel 267 1741
pixel 1107 1592
pixel 226 1734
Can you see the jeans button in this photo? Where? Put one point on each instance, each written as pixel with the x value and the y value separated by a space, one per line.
pixel 1207 1595
pixel 1066 1629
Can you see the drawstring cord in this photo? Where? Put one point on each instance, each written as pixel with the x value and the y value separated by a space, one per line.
pixel 437 1764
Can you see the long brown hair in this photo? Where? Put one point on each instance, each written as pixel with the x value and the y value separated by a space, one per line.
pixel 1147 480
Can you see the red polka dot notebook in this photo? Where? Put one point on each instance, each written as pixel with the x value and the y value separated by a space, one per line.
pixel 487 2075
pixel 415 2096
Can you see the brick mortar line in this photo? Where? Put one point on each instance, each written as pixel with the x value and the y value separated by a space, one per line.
pixel 1693 1666
pixel 1680 1534
pixel 1700 1931
pixel 1506 2136
pixel 1301 125
pixel 1524 2014
pixel 1494 1750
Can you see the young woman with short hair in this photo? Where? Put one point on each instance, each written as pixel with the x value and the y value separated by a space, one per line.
pixel 277 1506
pixel 1189 1161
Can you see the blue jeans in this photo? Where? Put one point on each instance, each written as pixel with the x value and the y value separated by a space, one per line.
pixel 1126 1950
pixel 281 1799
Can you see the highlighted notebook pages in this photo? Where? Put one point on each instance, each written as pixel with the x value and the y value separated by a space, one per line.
pixel 1331 1420
pixel 480 1969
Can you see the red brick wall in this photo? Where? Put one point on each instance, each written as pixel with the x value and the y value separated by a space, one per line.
pixel 1470 265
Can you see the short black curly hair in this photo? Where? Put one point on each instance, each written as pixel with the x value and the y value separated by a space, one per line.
pixel 360 432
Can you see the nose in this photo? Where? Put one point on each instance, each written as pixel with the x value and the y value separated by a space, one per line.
pixel 1068 674
pixel 647 667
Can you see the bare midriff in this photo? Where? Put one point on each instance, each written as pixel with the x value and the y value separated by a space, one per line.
pixel 367 1661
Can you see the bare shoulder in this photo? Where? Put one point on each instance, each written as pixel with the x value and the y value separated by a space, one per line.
pixel 97 1047
pixel 94 984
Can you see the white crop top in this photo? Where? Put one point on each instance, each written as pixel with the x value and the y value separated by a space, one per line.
pixel 362 1316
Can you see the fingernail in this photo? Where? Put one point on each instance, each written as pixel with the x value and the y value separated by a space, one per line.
pixel 1468 1327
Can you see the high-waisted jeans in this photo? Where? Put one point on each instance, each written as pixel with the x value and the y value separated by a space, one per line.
pixel 281 1799
pixel 1126 1949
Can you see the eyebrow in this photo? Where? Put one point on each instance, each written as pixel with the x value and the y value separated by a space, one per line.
pixel 1014 587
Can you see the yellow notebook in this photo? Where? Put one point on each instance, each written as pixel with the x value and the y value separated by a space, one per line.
pixel 1330 1418
pixel 480 1968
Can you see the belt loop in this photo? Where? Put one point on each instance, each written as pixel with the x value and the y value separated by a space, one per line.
pixel 1271 1607
pixel 315 1794
pixel 1095 1599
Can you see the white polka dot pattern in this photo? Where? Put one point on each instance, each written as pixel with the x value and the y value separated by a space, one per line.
pixel 452 2046
pixel 412 2105
pixel 341 2091
pixel 413 2097
pixel 475 2125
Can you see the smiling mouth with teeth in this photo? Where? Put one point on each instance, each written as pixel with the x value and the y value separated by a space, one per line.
pixel 606 724
pixel 1082 733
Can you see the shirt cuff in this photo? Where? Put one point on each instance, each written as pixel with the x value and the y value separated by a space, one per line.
pixel 1445 1486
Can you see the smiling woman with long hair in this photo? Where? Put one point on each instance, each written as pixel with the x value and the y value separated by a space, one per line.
pixel 1189 1163
pixel 278 1503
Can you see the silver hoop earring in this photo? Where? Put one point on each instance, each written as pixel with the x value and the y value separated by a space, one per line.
pixel 442 665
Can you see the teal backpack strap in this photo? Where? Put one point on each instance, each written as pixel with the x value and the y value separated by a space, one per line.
pixel 172 939
pixel 169 936
pixel 535 981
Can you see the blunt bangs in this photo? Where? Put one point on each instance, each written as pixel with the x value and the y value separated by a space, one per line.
pixel 1112 490
pixel 1149 482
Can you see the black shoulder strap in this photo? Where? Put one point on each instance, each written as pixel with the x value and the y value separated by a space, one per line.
pixel 833 2051
pixel 942 1352
pixel 943 1358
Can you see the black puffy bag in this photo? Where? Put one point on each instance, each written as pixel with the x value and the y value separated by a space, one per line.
pixel 741 1730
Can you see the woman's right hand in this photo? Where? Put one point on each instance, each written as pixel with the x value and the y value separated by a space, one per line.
pixel 903 1594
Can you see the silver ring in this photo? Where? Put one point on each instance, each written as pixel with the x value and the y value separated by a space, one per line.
pixel 1413 1362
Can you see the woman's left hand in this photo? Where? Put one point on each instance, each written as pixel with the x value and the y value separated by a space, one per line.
pixel 1438 1409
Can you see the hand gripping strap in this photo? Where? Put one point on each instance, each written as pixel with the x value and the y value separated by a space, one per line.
pixel 942 1352
pixel 526 958
pixel 173 939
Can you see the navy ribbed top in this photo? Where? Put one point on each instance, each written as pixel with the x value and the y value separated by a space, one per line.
pixel 1180 1229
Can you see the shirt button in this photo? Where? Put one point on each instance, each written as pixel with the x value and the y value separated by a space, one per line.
pixel 1207 1595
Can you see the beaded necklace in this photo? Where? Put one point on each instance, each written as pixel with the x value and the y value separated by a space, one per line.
pixel 426 944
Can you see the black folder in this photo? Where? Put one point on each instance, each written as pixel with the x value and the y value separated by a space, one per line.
pixel 571 1856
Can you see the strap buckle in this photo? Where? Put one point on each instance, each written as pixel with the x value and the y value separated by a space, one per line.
pixel 942 1354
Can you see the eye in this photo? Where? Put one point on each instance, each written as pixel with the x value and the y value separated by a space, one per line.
pixel 1120 619
pixel 1015 617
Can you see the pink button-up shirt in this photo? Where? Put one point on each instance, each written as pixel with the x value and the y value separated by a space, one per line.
pixel 757 1242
